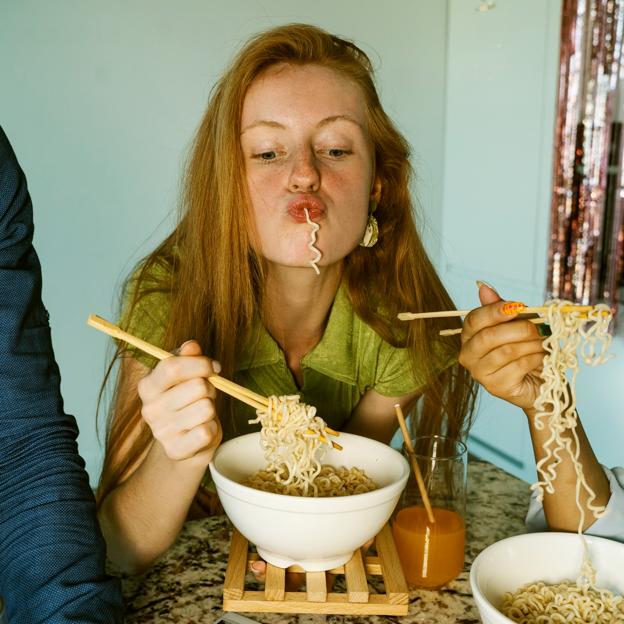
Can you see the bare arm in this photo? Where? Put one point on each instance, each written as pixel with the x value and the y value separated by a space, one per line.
pixel 374 416
pixel 143 515
pixel 560 507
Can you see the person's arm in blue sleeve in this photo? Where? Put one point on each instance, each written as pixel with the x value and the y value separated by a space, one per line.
pixel 52 554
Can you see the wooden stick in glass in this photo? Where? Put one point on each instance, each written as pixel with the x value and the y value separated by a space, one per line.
pixel 415 468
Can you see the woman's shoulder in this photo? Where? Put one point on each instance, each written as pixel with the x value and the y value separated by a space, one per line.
pixel 146 303
pixel 384 351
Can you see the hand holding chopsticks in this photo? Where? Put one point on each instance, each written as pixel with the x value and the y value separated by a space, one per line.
pixel 231 388
pixel 225 385
pixel 510 308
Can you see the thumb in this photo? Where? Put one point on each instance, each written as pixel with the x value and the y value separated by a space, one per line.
pixel 190 347
pixel 487 294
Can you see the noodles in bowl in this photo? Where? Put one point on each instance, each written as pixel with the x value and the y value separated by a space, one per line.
pixel 295 440
pixel 551 558
pixel 318 533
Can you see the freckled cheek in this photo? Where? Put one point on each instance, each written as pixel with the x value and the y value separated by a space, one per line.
pixel 264 190
pixel 350 193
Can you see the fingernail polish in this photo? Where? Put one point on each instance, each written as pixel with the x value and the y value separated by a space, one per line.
pixel 513 307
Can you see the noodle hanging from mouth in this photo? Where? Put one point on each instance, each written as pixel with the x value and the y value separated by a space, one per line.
pixel 567 601
pixel 295 439
pixel 311 245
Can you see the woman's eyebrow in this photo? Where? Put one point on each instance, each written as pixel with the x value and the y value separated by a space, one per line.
pixel 263 122
pixel 334 118
pixel 324 122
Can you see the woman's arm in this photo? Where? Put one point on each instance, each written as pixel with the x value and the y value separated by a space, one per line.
pixel 560 508
pixel 375 417
pixel 143 515
pixel 505 356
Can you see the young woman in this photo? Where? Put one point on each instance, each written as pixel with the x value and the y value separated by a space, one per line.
pixel 505 355
pixel 294 140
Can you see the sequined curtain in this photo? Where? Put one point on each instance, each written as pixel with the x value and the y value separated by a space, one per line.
pixel 587 236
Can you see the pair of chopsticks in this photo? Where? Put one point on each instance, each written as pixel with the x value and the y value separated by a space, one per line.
pixel 241 393
pixel 410 316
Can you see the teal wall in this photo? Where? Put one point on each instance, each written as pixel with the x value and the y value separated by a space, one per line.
pixel 101 99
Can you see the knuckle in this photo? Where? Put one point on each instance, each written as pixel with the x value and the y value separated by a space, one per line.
pixel 147 411
pixel 468 326
pixel 462 358
pixel 143 386
pixel 208 407
pixel 204 435
pixel 507 351
pixel 488 336
pixel 172 368
pixel 200 387
pixel 529 330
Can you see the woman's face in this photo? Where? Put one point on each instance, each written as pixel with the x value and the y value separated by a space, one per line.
pixel 306 145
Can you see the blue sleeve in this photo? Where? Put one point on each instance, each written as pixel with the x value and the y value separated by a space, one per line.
pixel 610 525
pixel 52 554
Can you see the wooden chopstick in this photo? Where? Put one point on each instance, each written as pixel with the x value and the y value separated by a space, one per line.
pixel 412 455
pixel 221 383
pixel 409 316
pixel 458 330
pixel 225 385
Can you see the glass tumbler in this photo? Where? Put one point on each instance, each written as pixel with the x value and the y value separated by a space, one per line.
pixel 432 553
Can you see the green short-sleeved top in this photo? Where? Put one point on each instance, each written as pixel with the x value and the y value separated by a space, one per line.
pixel 350 359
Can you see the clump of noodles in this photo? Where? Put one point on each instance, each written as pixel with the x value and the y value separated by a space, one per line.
pixel 573 332
pixel 540 603
pixel 330 481
pixel 311 245
pixel 294 439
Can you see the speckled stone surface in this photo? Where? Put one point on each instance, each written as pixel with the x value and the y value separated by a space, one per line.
pixel 185 586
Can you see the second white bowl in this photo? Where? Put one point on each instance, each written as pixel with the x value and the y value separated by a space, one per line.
pixel 550 557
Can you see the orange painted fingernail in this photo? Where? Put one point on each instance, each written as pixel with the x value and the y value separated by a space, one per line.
pixel 512 307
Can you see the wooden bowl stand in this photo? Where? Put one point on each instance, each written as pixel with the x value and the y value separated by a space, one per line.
pixel 357 600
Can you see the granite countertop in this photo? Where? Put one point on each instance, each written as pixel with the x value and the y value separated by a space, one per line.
pixel 185 586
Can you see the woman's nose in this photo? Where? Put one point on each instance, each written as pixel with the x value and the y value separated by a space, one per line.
pixel 304 176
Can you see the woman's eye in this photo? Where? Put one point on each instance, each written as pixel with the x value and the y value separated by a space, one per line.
pixel 266 156
pixel 336 152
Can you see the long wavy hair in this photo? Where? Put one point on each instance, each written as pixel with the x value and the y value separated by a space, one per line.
pixel 210 267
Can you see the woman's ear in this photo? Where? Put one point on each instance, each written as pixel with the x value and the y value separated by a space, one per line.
pixel 375 195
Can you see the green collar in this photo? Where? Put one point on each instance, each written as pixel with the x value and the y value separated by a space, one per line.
pixel 332 356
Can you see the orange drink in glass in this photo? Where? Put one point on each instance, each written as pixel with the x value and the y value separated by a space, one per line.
pixel 432 553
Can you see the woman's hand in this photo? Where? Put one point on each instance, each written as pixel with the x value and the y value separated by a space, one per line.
pixel 178 405
pixel 503 353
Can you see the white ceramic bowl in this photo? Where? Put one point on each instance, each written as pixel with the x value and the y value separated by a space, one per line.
pixel 550 557
pixel 315 533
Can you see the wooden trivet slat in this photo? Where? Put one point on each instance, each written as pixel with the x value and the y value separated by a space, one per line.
pixel 355 574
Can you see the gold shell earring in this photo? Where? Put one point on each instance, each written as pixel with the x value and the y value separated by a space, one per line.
pixel 371 232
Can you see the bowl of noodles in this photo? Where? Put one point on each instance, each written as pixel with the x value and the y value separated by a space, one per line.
pixel 550 577
pixel 352 498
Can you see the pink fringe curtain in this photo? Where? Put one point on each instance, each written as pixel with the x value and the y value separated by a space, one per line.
pixel 587 237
